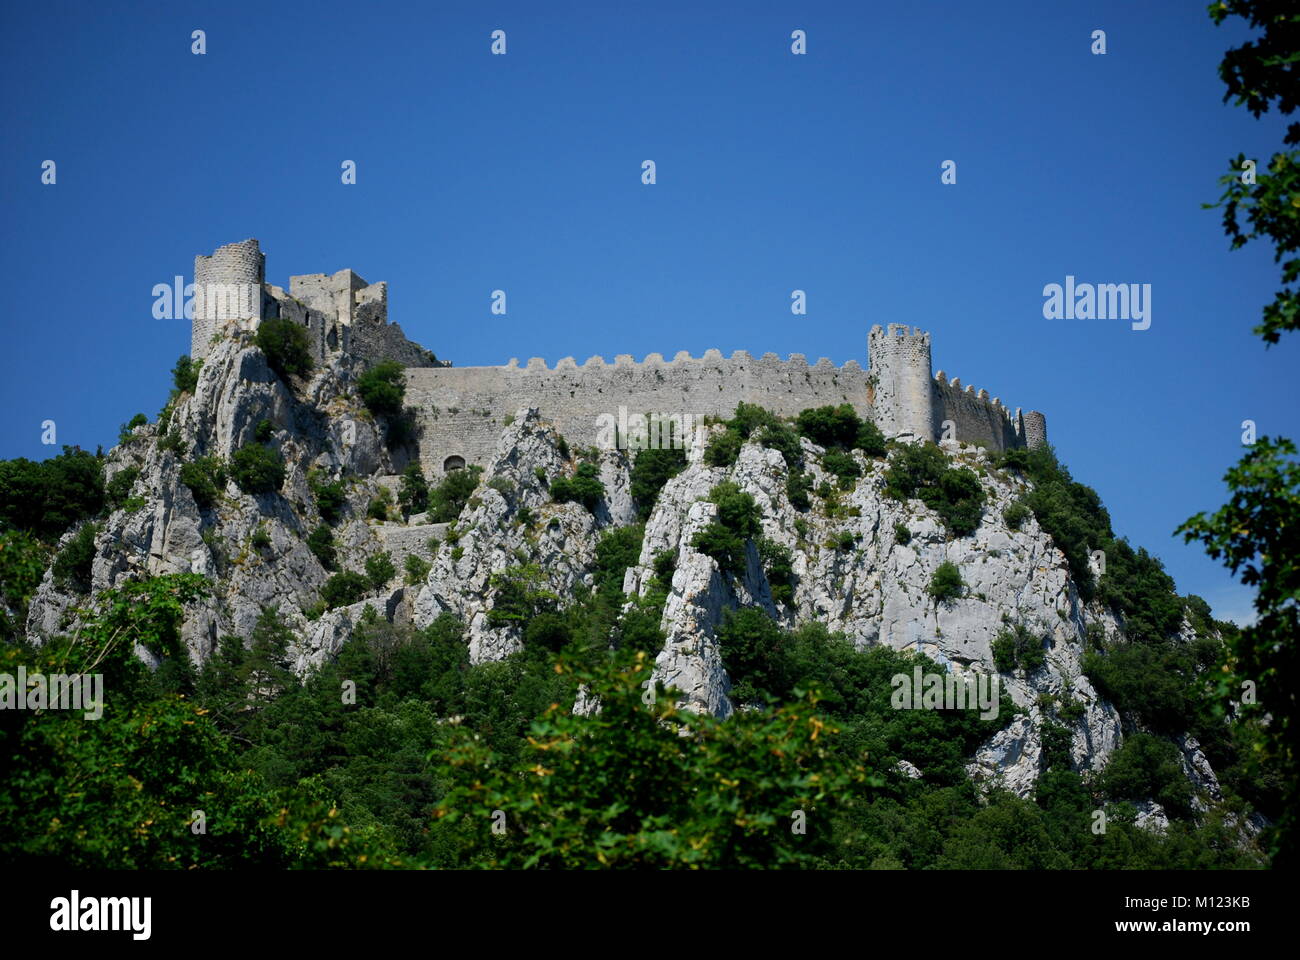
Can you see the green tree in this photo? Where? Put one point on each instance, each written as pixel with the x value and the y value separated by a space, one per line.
pixel 414 495
pixel 1260 75
pixel 285 345
pixel 382 388
pixel 946 583
pixel 583 487
pixel 205 477
pixel 321 543
pixel 736 522
pixel 922 471
pixel 380 570
pixel 185 375
pixel 46 498
pixel 1257 536
pixel 73 565
pixel 1255 533
pixel 257 469
pixel 651 470
pixel 331 496
pixel 621 787
pixel 449 497
pixel 23 559
pixel 343 589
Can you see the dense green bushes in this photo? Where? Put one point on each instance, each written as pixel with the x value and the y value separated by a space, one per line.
pixel 185 375
pixel 321 543
pixel 343 589
pixel 736 521
pixel 921 471
pixel 380 570
pixel 946 583
pixel 1069 512
pixel 650 471
pixel 331 496
pixel 583 487
pixel 841 428
pixel 285 345
pixel 117 490
pixel 382 388
pixel 289 762
pixel 257 469
pixel 1016 647
pixel 449 497
pixel 778 565
pixel 1148 767
pixel 206 478
pixel 414 494
pixel 72 566
pixel 46 498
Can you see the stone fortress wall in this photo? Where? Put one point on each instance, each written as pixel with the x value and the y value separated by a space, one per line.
pixel 460 411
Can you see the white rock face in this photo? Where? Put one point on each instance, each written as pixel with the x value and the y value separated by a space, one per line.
pixel 491 536
pixel 875 593
pixel 873 589
pixel 325 430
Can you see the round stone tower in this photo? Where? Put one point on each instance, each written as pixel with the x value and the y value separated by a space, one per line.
pixel 1033 429
pixel 900 371
pixel 227 286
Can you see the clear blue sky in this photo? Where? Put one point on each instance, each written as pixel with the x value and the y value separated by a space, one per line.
pixel 775 172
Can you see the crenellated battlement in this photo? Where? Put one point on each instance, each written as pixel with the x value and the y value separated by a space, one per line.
pixel 796 361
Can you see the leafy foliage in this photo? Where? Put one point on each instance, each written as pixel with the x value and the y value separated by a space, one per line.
pixel 841 428
pixel 185 375
pixel 736 521
pixel 285 345
pixel 621 787
pixel 414 494
pixel 382 388
pixel 206 478
pixel 321 543
pixel 257 469
pixel 449 497
pixel 1255 535
pixel 1260 74
pixel 650 471
pixel 72 566
pixel 380 570
pixel 1016 647
pixel 778 564
pixel 921 471
pixel 946 583
pixel 118 489
pixel 45 498
pixel 343 589
pixel 331 496
pixel 583 487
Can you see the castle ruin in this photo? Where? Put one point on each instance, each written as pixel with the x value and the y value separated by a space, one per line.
pixel 460 411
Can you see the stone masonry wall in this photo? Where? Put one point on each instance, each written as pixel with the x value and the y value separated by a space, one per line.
pixel 461 410
pixel 975 417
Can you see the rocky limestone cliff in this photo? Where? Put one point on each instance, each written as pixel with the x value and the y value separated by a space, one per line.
pixel 874 591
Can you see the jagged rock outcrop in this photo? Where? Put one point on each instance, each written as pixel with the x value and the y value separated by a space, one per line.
pixel 165 530
pixel 514 523
pixel 851 572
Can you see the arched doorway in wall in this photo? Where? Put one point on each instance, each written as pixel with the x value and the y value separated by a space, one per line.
pixel 453 463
